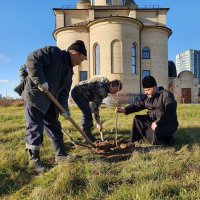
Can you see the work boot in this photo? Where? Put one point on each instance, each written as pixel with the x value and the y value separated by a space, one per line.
pixel 60 153
pixel 35 162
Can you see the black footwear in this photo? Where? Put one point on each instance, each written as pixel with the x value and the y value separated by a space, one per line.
pixel 171 143
pixel 37 166
pixel 60 153
pixel 35 162
pixel 59 147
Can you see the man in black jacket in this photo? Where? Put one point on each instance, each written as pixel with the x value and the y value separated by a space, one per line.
pixel 160 122
pixel 49 68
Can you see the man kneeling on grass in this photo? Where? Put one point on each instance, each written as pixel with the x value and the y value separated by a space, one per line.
pixel 94 91
pixel 160 123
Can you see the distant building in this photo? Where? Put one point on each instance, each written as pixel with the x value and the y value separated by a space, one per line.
pixel 184 85
pixel 124 41
pixel 189 60
pixel 0 96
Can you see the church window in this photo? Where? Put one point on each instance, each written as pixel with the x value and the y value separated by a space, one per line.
pixel 145 53
pixel 133 54
pixel 83 75
pixel 97 59
pixel 145 73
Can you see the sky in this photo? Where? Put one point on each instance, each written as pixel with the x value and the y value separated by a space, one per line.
pixel 27 25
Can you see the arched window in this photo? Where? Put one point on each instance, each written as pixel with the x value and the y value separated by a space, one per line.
pixel 145 53
pixel 133 54
pixel 97 59
pixel 116 57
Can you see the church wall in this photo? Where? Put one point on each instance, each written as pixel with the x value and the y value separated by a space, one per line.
pixel 127 33
pixel 74 17
pixel 157 40
pixel 108 13
pixel 153 17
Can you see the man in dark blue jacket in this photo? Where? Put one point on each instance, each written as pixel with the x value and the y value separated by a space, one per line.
pixel 160 122
pixel 49 68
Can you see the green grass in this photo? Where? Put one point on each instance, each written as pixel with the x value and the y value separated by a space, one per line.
pixel 150 173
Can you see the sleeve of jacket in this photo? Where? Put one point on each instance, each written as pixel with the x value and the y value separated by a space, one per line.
pixel 23 73
pixel 135 107
pixel 95 108
pixel 37 61
pixel 169 110
pixel 64 96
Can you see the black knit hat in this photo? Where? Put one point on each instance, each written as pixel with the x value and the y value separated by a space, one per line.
pixel 79 46
pixel 148 82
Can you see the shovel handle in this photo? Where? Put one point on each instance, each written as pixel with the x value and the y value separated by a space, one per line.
pixel 60 107
pixel 69 136
pixel 102 136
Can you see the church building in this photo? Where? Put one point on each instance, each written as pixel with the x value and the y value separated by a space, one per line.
pixel 124 41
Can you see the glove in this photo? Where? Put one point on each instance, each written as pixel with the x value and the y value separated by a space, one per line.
pixel 99 127
pixel 43 87
pixel 66 114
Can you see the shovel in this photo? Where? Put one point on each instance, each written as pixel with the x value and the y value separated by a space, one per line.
pixel 102 136
pixel 73 141
pixel 60 107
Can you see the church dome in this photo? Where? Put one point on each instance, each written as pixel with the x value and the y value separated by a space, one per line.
pixel 83 4
pixel 131 3
pixel 172 69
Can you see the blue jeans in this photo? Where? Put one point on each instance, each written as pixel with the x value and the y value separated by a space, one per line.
pixel 87 121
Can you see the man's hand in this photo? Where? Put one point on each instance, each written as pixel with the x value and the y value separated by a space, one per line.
pixel 119 110
pixel 153 126
pixel 66 114
pixel 99 127
pixel 43 87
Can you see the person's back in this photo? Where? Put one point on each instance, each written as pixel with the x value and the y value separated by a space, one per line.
pixel 93 88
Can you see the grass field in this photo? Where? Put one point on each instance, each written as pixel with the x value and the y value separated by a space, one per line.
pixel 150 173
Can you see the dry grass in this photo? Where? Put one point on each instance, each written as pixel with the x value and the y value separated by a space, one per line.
pixel 11 102
pixel 150 173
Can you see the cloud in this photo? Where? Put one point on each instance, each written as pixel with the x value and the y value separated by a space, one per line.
pixel 4 59
pixel 5 82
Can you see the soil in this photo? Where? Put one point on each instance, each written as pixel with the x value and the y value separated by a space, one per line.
pixel 114 151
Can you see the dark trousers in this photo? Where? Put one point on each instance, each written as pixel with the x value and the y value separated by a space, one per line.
pixel 141 129
pixel 37 122
pixel 87 121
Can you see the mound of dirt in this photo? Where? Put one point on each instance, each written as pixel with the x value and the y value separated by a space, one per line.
pixel 112 147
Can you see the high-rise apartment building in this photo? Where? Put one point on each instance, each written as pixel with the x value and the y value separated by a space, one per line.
pixel 189 60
